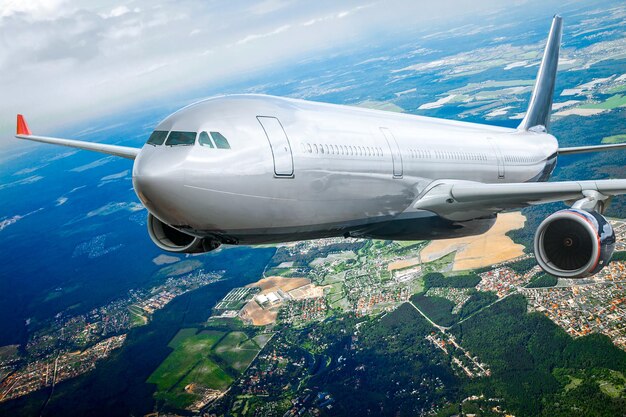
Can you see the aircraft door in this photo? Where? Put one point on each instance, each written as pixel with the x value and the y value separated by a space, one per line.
pixel 396 155
pixel 279 143
pixel 498 153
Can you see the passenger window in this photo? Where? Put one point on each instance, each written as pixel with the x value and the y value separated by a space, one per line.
pixel 308 148
pixel 321 148
pixel 157 137
pixel 205 140
pixel 220 140
pixel 181 138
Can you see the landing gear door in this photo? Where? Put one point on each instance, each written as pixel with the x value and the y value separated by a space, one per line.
pixel 396 155
pixel 279 143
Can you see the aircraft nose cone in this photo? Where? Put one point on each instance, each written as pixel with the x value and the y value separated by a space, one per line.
pixel 160 187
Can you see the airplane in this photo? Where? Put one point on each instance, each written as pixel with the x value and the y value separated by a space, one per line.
pixel 256 169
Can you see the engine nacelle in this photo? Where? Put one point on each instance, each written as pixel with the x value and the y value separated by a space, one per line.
pixel 171 239
pixel 574 243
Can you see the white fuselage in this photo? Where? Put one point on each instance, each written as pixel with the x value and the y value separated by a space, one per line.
pixel 298 169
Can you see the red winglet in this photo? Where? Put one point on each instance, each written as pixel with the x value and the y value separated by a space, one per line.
pixel 22 127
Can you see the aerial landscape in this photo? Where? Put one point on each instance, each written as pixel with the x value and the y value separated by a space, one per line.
pixel 98 321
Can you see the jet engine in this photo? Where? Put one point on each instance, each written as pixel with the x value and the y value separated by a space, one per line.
pixel 171 239
pixel 574 243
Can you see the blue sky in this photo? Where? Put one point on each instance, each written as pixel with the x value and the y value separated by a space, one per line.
pixel 74 60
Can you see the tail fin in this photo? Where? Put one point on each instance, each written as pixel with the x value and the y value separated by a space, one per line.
pixel 538 114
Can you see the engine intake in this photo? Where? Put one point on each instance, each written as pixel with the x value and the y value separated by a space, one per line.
pixel 574 243
pixel 171 239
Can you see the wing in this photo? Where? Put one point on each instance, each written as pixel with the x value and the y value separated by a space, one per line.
pixel 23 132
pixel 466 200
pixel 595 148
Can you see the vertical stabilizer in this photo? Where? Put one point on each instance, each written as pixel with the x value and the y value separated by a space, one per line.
pixel 538 114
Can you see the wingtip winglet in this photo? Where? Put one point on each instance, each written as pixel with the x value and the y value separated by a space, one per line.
pixel 22 126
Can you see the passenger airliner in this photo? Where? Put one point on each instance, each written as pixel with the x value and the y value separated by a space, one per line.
pixel 252 169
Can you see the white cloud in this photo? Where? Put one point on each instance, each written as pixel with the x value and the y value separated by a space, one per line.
pixel 34 8
pixel 251 38
pixel 116 12
pixel 67 61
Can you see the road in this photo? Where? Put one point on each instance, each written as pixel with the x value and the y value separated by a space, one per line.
pixel 441 328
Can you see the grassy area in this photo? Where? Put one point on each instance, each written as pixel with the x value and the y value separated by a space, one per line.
pixel 262 339
pixel 281 272
pixel 574 383
pixel 408 243
pixel 612 102
pixel 336 292
pixel 491 84
pixel 209 374
pixel 614 384
pixel 237 350
pixel 616 89
pixel 188 353
pixel 137 319
pixel 232 339
pixel 189 362
pixel 419 286
pixel 441 264
pixel 181 336
pixel 614 139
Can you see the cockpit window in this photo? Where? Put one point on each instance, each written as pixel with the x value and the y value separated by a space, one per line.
pixel 157 137
pixel 181 138
pixel 205 140
pixel 220 140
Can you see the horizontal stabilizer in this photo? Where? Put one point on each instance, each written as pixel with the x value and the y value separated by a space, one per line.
pixel 23 132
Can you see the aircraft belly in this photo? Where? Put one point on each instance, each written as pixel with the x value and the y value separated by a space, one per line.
pixel 421 225
pixel 223 210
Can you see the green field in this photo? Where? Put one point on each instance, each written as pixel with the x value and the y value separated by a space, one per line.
pixel 614 139
pixel 136 316
pixel 574 383
pixel 613 384
pixel 237 350
pixel 180 336
pixel 612 102
pixel 262 339
pixel 189 362
pixel 210 359
pixel 617 89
